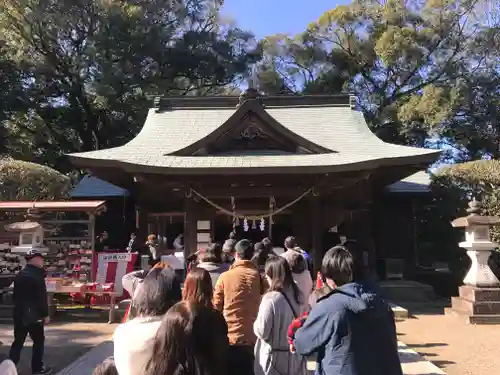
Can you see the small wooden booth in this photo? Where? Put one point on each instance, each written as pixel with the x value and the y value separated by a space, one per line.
pixel 64 232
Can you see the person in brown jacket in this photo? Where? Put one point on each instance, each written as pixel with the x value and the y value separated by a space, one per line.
pixel 237 295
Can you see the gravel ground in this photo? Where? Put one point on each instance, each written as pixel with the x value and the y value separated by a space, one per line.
pixel 66 339
pixel 447 341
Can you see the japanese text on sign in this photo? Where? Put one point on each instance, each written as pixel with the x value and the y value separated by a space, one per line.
pixel 119 257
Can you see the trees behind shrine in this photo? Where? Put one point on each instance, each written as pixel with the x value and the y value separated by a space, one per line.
pixel 80 75
pixel 420 69
pixel 88 68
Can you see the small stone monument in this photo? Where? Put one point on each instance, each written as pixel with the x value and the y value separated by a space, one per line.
pixel 479 298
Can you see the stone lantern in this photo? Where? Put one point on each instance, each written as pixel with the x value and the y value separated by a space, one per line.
pixel 479 298
pixel 478 245
pixel 30 233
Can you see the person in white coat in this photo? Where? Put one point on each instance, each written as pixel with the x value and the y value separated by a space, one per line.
pixel 133 340
pixel 279 307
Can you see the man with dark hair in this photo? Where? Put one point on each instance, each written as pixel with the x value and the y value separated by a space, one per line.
pixel 352 330
pixel 237 295
pixel 31 311
pixel 291 248
pixel 268 244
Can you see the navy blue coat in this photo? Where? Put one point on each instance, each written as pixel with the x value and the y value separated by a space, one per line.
pixel 352 332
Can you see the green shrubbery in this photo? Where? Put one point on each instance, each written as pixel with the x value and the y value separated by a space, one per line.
pixel 479 179
pixel 21 180
pixel 452 189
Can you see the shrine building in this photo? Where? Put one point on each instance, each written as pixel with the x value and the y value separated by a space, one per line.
pixel 272 166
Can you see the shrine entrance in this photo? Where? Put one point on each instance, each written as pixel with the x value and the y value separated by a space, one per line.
pixel 255 230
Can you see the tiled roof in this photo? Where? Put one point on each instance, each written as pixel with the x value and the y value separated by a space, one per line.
pixel 416 183
pixel 90 186
pixel 334 127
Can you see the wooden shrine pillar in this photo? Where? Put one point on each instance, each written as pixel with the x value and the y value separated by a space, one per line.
pixel 190 220
pixel 316 232
pixel 363 231
pixel 300 228
pixel 141 222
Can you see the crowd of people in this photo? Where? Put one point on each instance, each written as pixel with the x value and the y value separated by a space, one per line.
pixel 243 309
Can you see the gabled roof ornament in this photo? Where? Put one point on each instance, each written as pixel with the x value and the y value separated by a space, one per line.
pixel 352 101
pixel 250 94
pixel 157 103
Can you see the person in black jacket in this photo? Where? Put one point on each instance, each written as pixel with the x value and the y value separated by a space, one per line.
pixel 31 311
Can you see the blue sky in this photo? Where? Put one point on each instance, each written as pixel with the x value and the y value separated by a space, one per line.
pixel 267 17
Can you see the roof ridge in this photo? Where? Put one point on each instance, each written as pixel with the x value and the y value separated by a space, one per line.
pixel 167 103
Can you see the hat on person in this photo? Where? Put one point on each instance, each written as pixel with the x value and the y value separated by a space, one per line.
pixel 33 253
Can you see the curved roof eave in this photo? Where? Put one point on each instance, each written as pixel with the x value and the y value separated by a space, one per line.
pixel 336 128
pixel 319 163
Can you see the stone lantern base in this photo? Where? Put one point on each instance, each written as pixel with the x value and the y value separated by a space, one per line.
pixel 477 305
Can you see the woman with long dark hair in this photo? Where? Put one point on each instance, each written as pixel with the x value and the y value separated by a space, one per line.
pixel 198 287
pixel 192 340
pixel 153 296
pixel 280 305
pixel 263 252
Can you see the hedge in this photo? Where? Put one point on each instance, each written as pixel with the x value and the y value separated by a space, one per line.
pixel 479 179
pixel 21 180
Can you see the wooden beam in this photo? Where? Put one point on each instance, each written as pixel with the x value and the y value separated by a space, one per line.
pixel 166 214
pixel 258 180
pixel 251 189
pixel 66 221
pixel 252 192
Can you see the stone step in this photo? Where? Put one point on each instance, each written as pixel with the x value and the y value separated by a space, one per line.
pixel 479 294
pixel 476 308
pixel 401 291
pixel 473 319
pixel 400 313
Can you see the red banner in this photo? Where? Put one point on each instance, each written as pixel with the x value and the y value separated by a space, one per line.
pixel 111 267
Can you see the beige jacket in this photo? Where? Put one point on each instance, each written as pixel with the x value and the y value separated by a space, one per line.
pixel 237 295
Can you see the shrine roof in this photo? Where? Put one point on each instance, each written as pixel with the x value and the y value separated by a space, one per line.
pixel 52 205
pixel 416 183
pixel 327 124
